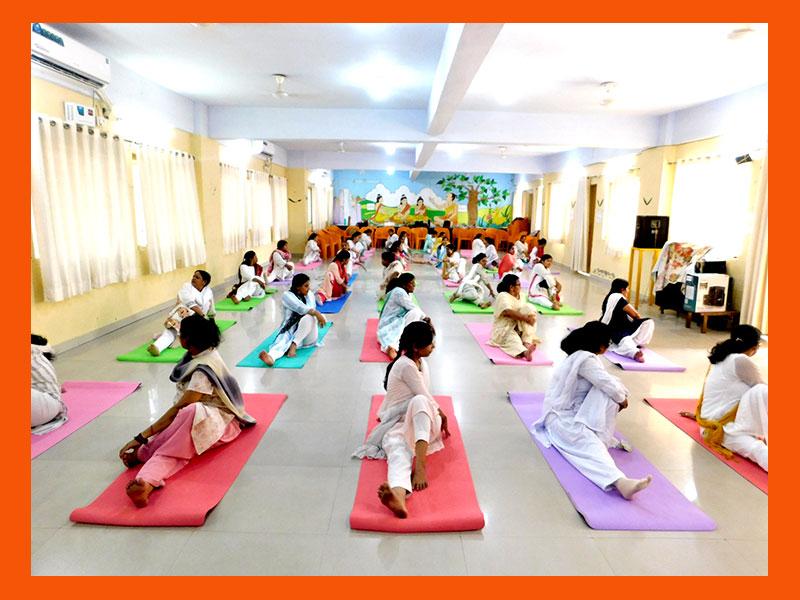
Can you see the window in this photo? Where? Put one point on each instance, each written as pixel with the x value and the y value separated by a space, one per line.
pixel 619 216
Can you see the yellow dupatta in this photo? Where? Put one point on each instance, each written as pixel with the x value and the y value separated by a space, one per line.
pixel 712 431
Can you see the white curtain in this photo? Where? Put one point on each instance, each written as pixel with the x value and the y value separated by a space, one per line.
pixel 711 204
pixel 517 208
pixel 259 203
pixel 234 203
pixel 619 214
pixel 83 222
pixel 560 198
pixel 755 301
pixel 322 207
pixel 579 230
pixel 171 209
pixel 280 208
pixel 538 211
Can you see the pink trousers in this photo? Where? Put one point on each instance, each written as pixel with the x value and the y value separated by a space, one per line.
pixel 172 449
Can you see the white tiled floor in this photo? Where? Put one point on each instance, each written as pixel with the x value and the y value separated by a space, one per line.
pixel 287 512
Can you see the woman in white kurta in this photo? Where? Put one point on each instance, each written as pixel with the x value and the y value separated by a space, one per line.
pixel 193 297
pixel 48 411
pixel 545 290
pixel 251 281
pixel 393 237
pixel 453 266
pixel 392 268
pixel 312 252
pixel 301 322
pixel 630 333
pixel 580 410
pixel 412 426
pixel 398 311
pixel 522 248
pixel 476 287
pixel 280 265
pixel 514 326
pixel 734 408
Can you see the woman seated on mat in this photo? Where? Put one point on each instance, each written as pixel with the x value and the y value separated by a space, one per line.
pixel 509 263
pixel 734 405
pixel 404 247
pixel 427 246
pixel 545 290
pixel 193 297
pixel 366 240
pixel 439 249
pixel 301 322
pixel 412 425
pixel 476 287
pixel 453 266
pixel 479 246
pixel 398 311
pixel 392 268
pixel 514 327
pixel 251 283
pixel 393 237
pixel 334 283
pixel 540 249
pixel 630 333
pixel 522 248
pixel 580 411
pixel 312 252
pixel 208 411
pixel 397 250
pixel 280 265
pixel 48 411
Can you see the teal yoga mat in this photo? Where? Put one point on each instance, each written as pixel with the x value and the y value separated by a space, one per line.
pixel 170 355
pixel 296 362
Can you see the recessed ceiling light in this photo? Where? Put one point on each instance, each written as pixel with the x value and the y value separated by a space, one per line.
pixel 279 91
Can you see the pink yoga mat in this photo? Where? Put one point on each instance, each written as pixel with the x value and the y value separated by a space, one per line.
pixel 85 400
pixel 465 253
pixel 483 331
pixel 660 507
pixel 448 504
pixel 451 284
pixel 301 267
pixel 670 407
pixel 187 497
pixel 652 362
pixel 371 349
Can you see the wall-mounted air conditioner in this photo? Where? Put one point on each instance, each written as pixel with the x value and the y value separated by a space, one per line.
pixel 53 49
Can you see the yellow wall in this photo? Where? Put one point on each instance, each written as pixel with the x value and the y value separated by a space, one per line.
pixel 297 184
pixel 81 315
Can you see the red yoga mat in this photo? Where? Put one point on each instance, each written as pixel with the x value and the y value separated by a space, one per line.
pixel 670 407
pixel 371 349
pixel 187 497
pixel 448 504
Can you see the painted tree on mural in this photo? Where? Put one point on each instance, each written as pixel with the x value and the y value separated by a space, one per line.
pixel 476 190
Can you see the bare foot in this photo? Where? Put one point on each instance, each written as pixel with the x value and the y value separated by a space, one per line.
pixel 129 459
pixel 454 297
pixel 292 351
pixel 235 300
pixel 622 445
pixel 153 351
pixel 391 353
pixel 528 355
pixel 688 415
pixel 639 356
pixel 556 306
pixel 139 492
pixel 266 358
pixel 392 500
pixel 247 299
pixel 486 305
pixel 629 487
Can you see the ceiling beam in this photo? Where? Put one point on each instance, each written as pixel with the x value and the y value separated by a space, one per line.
pixel 422 155
pixel 465 47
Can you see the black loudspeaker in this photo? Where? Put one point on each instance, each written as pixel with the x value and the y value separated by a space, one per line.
pixel 651 232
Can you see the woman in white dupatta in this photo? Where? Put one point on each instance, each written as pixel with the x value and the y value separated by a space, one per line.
pixel 280 265
pixel 312 252
pixel 251 282
pixel 453 266
pixel 630 333
pixel 193 297
pixel 580 411
pixel 545 290
pixel 476 287
pixel 412 426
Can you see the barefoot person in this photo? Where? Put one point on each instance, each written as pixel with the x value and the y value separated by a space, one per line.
pixel 453 266
pixel 630 333
pixel 510 263
pixel 312 252
pixel 48 411
pixel 392 267
pixel 334 284
pixel 412 425
pixel 398 311
pixel 476 287
pixel 301 322
pixel 580 411
pixel 193 297
pixel 251 282
pixel 545 290
pixel 514 327
pixel 280 265
pixel 208 411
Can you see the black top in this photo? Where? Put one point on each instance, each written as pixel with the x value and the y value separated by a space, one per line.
pixel 621 323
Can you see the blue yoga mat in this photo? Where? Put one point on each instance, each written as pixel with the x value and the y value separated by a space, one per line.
pixel 296 362
pixel 331 307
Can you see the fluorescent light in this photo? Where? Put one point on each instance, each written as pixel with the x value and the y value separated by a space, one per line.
pixel 390 171
pixel 389 148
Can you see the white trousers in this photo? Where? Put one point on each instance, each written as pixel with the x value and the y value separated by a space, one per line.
pixel 313 257
pixel 399 457
pixel 415 314
pixel 631 344
pixel 44 408
pixel 306 335
pixel 542 301
pixel 166 339
pixel 281 272
pixel 751 423
pixel 474 293
pixel 249 288
pixel 456 273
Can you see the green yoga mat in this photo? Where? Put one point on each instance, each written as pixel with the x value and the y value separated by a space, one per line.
pixel 227 304
pixel 295 362
pixel 170 355
pixel 382 301
pixel 566 311
pixel 466 308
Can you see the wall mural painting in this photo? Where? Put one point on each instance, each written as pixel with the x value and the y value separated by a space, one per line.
pixel 464 199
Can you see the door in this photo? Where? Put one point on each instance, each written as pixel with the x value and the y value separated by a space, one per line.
pixel 590 225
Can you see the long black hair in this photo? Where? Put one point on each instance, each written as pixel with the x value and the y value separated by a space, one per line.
pixel 592 337
pixel 200 332
pixel 416 335
pixel 297 282
pixel 508 280
pixel 616 288
pixel 248 256
pixel 341 256
pixel 743 337
pixel 38 340
pixel 312 236
pixel 401 280
pixel 478 258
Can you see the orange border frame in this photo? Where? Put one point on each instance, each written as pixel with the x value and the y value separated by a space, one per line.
pixel 16 500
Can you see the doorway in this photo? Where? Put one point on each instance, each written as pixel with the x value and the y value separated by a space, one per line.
pixel 590 225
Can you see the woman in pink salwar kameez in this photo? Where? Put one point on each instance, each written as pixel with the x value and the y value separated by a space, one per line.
pixel 208 412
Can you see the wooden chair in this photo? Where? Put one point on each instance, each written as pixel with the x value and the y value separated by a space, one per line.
pixel 420 233
pixel 439 230
pixel 326 244
pixel 381 235
pixel 499 238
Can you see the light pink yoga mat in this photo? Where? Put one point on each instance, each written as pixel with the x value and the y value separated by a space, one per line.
pixel 309 267
pixel 671 407
pixel 187 497
pixel 451 284
pixel 85 400
pixel 371 349
pixel 652 362
pixel 483 331
pixel 448 504
pixel 660 507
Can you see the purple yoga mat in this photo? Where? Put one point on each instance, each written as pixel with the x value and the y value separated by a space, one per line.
pixel 652 362
pixel 660 507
